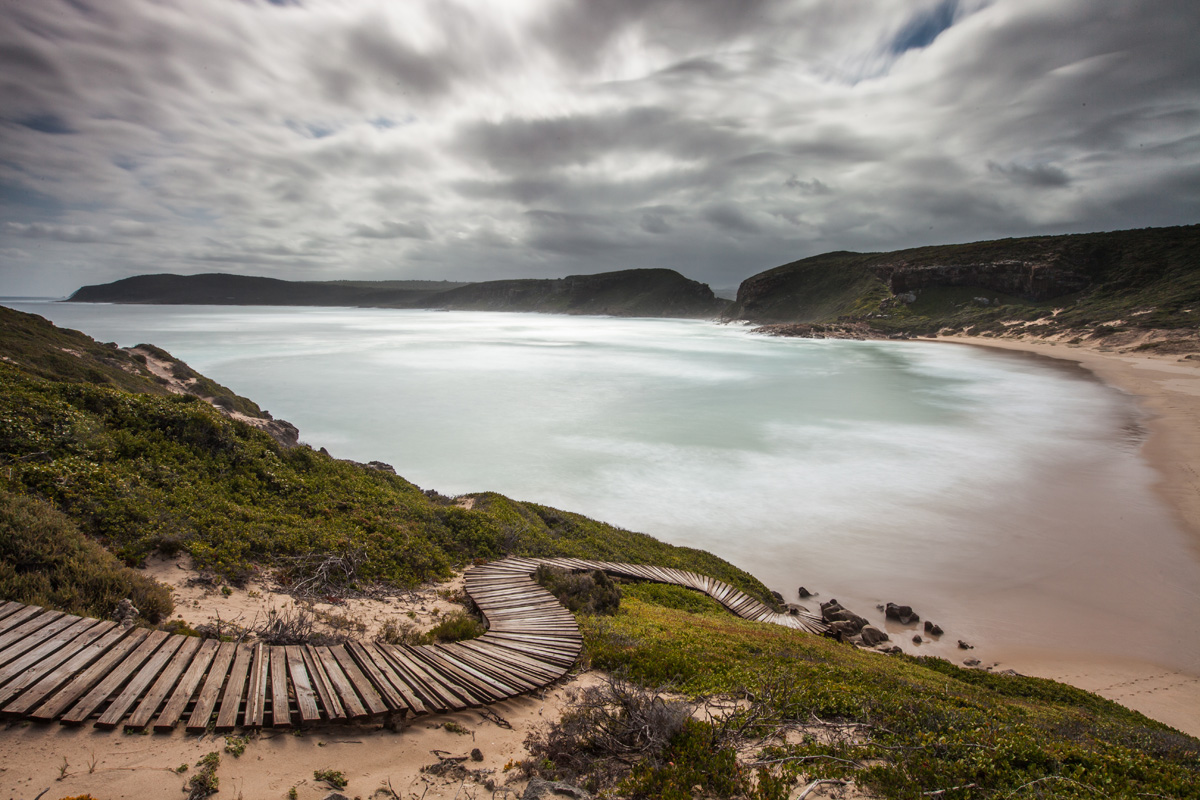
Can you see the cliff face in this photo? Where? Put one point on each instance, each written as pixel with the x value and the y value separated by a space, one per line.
pixel 628 293
pixel 1152 275
pixel 1032 280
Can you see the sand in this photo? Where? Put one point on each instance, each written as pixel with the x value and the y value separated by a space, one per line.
pixel 1168 389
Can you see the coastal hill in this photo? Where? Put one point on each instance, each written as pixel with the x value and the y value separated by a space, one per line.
pixel 1087 284
pixel 106 465
pixel 626 293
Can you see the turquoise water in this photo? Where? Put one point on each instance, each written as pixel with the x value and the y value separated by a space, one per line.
pixel 968 484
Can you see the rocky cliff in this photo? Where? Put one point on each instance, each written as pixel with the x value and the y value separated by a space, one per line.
pixel 1148 277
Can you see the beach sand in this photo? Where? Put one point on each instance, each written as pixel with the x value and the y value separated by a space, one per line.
pixel 1168 389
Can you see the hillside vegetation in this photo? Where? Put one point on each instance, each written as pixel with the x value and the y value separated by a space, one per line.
pixel 626 293
pixel 1089 285
pixel 780 709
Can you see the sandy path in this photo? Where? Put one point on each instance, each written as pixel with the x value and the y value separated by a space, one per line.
pixel 1168 388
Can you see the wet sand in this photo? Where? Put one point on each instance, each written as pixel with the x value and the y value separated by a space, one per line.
pixel 1158 674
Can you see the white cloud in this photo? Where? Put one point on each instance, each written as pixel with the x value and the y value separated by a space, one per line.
pixel 461 140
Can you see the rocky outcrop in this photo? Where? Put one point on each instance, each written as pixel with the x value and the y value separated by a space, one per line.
pixel 1032 279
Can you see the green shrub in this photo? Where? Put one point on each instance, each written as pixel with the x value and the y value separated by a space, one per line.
pixel 455 628
pixel 335 778
pixel 589 593
pixel 46 561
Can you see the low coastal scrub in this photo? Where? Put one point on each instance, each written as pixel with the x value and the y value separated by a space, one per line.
pixel 142 472
pixel 46 561
pixel 584 592
pixel 772 709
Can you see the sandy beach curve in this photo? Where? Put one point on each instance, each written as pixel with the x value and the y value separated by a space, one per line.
pixel 1167 388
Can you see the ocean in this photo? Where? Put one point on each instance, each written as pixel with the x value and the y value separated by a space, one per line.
pixel 1001 495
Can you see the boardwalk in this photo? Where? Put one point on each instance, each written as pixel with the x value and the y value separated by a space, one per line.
pixel 56 666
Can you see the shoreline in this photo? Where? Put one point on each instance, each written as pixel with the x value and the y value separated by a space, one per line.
pixel 1167 390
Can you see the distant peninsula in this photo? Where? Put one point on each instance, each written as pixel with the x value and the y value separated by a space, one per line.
pixel 626 293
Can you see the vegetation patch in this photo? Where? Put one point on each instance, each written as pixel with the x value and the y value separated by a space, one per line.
pixel 585 592
pixel 776 708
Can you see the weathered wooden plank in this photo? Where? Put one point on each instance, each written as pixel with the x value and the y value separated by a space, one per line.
pixel 30 626
pixel 370 696
pixel 26 643
pixel 325 691
pixel 196 670
pixel 340 683
pixel 81 681
pixel 306 698
pixel 144 677
pixel 166 681
pixel 116 677
pixel 231 698
pixel 280 708
pixel 513 661
pixel 210 692
pixel 256 691
pixel 10 607
pixel 74 651
pixel 69 670
pixel 447 693
pixel 385 679
pixel 36 655
pixel 19 617
pixel 480 685
pixel 520 677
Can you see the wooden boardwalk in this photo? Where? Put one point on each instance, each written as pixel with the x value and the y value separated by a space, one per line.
pixel 56 666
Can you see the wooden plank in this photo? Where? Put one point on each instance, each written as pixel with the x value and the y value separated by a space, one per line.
pixel 395 693
pixel 256 691
pixel 22 615
pixel 158 692
pixel 231 698
pixel 513 662
pixel 115 678
pixel 448 694
pixel 9 608
pixel 416 686
pixel 68 670
pixel 520 679
pixel 340 683
pixel 417 696
pixel 281 714
pixel 325 691
pixel 186 687
pixel 144 677
pixel 306 699
pixel 30 626
pixel 481 685
pixel 206 701
pixel 26 643
pixel 370 696
pixel 46 650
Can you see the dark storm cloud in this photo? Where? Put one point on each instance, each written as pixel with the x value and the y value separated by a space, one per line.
pixel 447 139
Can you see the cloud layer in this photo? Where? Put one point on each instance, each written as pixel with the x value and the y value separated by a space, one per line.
pixel 441 139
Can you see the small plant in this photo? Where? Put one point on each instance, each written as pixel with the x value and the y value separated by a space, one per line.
pixel 335 778
pixel 235 745
pixel 62 769
pixel 204 783
pixel 454 727
pixel 182 768
pixel 395 632
pixel 225 590
pixel 455 628
pixel 292 793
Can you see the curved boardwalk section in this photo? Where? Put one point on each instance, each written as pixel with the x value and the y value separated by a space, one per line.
pixel 56 666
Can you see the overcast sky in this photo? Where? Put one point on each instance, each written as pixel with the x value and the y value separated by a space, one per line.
pixel 540 138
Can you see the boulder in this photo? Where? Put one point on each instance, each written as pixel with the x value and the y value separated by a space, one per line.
pixel 917 639
pixel 803 593
pixel 902 614
pixel 971 662
pixel 871 636
pixel 933 630
pixel 539 789
pixel 964 646
pixel 477 754
pixel 778 598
